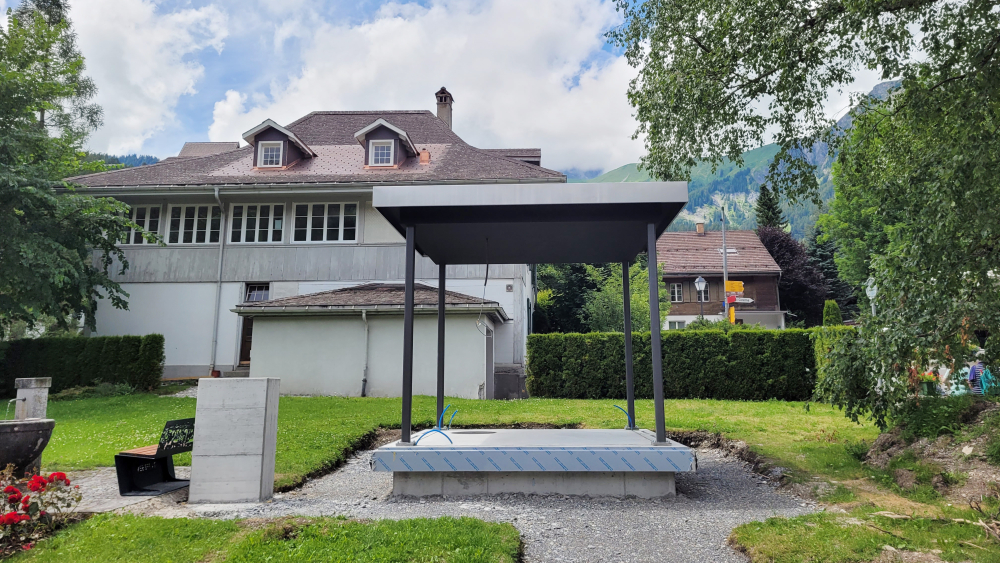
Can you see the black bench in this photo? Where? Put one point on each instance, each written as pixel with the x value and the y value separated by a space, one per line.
pixel 149 471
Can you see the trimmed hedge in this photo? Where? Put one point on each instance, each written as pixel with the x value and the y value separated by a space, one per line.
pixel 824 339
pixel 77 361
pixel 751 365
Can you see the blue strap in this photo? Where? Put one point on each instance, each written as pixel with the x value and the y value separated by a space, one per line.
pixel 453 413
pixel 441 416
pixel 631 423
pixel 431 431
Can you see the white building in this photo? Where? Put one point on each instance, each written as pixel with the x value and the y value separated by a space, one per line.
pixel 289 214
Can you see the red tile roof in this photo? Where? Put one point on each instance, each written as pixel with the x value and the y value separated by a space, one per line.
pixel 688 253
pixel 340 158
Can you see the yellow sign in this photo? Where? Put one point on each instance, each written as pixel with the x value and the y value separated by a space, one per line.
pixel 732 315
pixel 735 286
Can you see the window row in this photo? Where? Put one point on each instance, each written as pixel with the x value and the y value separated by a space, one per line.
pixel 677 293
pixel 257 223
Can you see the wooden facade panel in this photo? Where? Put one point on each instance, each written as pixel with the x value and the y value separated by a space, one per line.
pixel 289 263
pixel 762 289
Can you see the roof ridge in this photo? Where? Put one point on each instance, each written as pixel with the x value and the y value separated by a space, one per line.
pixel 514 160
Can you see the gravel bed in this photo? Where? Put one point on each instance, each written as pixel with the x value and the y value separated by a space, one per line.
pixel 723 494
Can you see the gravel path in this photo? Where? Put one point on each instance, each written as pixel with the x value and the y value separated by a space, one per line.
pixel 723 494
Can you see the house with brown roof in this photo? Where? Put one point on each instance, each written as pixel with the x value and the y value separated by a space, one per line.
pixel 684 256
pixel 288 213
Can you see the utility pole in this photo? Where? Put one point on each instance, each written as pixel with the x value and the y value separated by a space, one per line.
pixel 725 269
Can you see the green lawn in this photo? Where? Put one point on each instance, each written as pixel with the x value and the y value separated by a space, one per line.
pixel 315 433
pixel 134 539
pixel 862 535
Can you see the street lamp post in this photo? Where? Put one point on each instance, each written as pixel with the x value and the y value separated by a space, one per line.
pixel 700 284
pixel 871 290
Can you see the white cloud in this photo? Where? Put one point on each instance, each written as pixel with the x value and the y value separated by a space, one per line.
pixel 522 73
pixel 139 59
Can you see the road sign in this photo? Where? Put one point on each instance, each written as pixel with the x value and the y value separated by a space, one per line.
pixel 734 286
pixel 732 315
pixel 744 300
pixel 731 299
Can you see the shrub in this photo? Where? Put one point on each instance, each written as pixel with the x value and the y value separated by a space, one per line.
pixel 929 417
pixel 831 314
pixel 132 362
pixel 740 365
pixel 858 450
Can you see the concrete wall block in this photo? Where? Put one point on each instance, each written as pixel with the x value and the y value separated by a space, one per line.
pixel 32 397
pixel 244 435
pixel 235 439
pixel 464 484
pixel 410 484
pixel 221 479
pixel 650 484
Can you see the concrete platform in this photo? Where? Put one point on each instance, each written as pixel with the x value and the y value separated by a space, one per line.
pixel 542 461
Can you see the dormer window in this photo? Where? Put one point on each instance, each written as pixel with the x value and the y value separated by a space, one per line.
pixel 270 154
pixel 380 153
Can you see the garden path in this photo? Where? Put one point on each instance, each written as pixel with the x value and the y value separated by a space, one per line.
pixel 723 494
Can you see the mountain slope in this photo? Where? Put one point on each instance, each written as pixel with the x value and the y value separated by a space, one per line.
pixel 741 184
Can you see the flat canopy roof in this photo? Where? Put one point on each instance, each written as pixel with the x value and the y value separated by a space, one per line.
pixel 531 223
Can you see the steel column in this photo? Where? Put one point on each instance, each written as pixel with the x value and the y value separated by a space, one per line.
pixel 654 329
pixel 408 338
pixel 440 380
pixel 629 382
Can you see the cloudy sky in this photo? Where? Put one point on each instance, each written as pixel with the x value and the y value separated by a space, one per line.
pixel 523 73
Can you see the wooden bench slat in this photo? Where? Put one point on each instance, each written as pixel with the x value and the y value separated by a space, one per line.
pixel 145 450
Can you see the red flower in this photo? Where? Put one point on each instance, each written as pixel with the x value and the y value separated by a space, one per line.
pixel 37 484
pixel 14 498
pixel 58 476
pixel 27 546
pixel 24 518
pixel 11 489
pixel 9 519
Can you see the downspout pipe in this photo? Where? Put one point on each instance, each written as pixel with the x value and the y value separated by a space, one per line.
pixel 218 280
pixel 364 371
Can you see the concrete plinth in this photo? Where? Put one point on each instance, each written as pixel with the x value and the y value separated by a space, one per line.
pixel 32 397
pixel 235 436
pixel 593 484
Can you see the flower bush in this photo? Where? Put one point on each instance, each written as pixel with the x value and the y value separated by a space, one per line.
pixel 33 507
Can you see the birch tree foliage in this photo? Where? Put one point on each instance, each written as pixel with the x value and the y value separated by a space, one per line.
pixel 717 78
pixel 48 235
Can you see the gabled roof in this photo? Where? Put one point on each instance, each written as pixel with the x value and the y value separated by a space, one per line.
pixel 690 254
pixel 270 124
pixel 207 149
pixel 360 135
pixel 387 297
pixel 339 159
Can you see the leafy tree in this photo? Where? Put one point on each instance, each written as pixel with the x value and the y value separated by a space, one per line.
pixel 720 77
pixel 801 289
pixel 831 314
pixel 604 310
pixel 768 209
pixel 916 210
pixel 49 231
pixel 822 248
pixel 563 291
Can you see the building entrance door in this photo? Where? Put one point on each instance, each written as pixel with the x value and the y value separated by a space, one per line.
pixel 245 340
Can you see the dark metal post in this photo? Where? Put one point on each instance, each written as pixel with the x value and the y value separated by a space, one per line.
pixel 654 329
pixel 408 338
pixel 440 382
pixel 629 382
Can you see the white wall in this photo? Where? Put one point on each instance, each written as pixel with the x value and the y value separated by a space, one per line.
pixel 182 313
pixel 496 290
pixel 324 355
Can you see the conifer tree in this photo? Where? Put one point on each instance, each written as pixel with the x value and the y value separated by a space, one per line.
pixel 768 209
